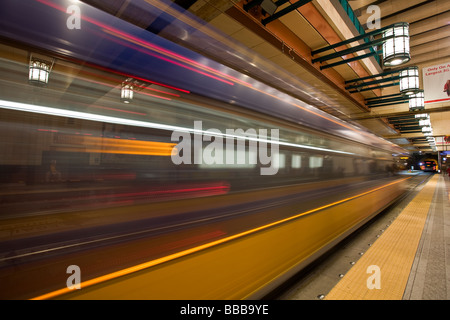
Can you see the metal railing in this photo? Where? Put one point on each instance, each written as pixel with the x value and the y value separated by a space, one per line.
pixel 351 14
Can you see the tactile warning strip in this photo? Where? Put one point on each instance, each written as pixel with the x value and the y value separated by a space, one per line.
pixel 382 272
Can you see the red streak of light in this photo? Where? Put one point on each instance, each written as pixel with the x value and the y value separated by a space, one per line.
pixel 158 56
pixel 215 190
pixel 209 190
pixel 123 202
pixel 128 36
pixel 130 76
pixel 115 80
pixel 160 91
pixel 167 52
pixel 106 69
pixel 123 176
pixel 52 5
pixel 47 130
pixel 174 54
pixel 111 86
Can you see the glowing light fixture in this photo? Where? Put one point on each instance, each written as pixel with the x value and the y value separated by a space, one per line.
pixel 126 93
pixel 396 45
pixel 422 116
pixel 417 101
pixel 424 123
pixel 409 80
pixel 39 71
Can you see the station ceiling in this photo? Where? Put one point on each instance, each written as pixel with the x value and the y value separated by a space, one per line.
pixel 282 53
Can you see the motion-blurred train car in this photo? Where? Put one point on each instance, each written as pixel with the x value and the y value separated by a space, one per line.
pixel 160 173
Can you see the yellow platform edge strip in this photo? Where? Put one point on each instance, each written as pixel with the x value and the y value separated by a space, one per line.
pixel 383 271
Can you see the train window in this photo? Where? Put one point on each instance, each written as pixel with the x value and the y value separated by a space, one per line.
pixel 296 162
pixel 246 158
pixel 230 158
pixel 315 162
pixel 279 161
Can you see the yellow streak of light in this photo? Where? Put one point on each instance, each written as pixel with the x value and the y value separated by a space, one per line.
pixel 111 145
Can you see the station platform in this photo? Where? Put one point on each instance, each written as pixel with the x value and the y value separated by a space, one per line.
pixel 403 256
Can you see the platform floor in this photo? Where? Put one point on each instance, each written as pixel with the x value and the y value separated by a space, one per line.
pixel 430 273
pixel 404 255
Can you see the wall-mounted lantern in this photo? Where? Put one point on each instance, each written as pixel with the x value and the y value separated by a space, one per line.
pixel 38 71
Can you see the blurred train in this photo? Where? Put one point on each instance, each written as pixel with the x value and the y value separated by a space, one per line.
pixel 89 175
pixel 429 165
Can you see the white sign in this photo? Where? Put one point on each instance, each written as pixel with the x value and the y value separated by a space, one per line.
pixel 436 83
